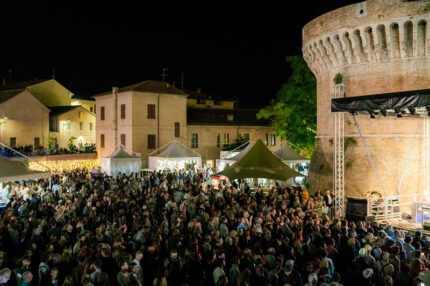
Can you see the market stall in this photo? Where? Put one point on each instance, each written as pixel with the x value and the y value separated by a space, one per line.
pixel 174 155
pixel 120 161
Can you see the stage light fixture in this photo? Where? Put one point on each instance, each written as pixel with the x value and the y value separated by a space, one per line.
pixel 384 112
pixel 372 114
pixel 411 110
pixel 398 113
pixel 428 110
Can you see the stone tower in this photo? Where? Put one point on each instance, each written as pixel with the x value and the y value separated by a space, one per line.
pixel 378 46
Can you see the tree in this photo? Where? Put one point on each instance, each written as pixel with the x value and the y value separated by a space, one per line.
pixel 294 110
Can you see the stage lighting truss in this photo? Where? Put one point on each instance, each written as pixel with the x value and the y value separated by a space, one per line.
pixel 419 112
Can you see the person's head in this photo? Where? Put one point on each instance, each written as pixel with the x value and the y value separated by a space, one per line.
pixel 5 275
pixel 139 255
pixel 26 262
pixel 385 256
pixel 97 264
pixel 27 276
pixel 408 239
pixel 54 273
pixel 368 273
pixel 124 266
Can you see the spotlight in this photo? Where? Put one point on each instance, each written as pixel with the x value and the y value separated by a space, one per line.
pixel 384 112
pixel 398 113
pixel 411 110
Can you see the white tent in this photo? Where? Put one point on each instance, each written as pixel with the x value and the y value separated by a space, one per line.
pixel 120 161
pixel 222 163
pixel 17 170
pixel 175 155
pixel 288 155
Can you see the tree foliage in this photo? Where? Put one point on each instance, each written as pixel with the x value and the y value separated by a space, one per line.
pixel 294 110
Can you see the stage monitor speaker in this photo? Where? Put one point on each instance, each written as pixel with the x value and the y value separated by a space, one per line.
pixel 357 207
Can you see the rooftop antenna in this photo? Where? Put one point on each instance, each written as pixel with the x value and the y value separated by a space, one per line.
pixel 164 73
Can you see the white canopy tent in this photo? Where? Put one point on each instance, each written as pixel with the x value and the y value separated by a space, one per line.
pixel 120 161
pixel 288 155
pixel 175 155
pixel 236 156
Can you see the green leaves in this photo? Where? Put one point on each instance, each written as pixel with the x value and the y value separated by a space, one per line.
pixel 294 110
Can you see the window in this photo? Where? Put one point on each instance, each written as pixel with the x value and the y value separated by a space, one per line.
pixel 91 109
pixel 123 139
pixel 246 136
pixel 177 130
pixel 53 124
pixel 80 126
pixel 201 101
pixel 12 141
pixel 217 102
pixel 230 117
pixel 102 113
pixel 95 109
pixel 151 111
pixel 81 114
pixel 273 140
pixel 36 142
pixel 194 140
pixel 218 140
pixel 151 141
pixel 267 140
pixel 122 111
pixel 69 125
pixel 226 141
pixel 90 126
pixel 102 140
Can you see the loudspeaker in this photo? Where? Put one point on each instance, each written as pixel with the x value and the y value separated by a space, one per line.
pixel 357 207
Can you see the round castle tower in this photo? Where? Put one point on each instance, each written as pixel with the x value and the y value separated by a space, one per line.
pixel 378 46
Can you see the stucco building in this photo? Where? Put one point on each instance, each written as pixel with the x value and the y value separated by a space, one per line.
pixel 39 109
pixel 378 46
pixel 150 114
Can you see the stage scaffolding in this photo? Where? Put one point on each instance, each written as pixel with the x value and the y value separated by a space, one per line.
pixel 385 207
pixel 339 156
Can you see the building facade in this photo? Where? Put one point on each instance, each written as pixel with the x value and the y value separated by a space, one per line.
pixel 142 117
pixel 40 109
pixel 148 115
pixel 378 46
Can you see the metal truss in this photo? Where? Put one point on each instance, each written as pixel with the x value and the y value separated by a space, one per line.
pixel 339 157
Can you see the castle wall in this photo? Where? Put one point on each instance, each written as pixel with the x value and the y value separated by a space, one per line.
pixel 378 47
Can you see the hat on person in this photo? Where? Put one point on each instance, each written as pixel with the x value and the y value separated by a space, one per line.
pixel 362 252
pixel 367 273
pixel 289 263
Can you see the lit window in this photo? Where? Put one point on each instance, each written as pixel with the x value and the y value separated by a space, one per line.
pixel 81 114
pixel 273 140
pixel 69 125
pixel 226 141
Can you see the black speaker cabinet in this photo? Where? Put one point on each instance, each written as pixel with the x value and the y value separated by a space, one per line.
pixel 357 209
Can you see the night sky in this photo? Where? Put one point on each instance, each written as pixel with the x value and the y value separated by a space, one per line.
pixel 235 51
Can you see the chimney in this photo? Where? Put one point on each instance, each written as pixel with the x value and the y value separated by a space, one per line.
pixel 199 90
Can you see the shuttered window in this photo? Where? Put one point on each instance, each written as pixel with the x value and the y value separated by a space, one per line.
pixel 151 111
pixel 102 140
pixel 122 111
pixel 102 113
pixel 151 141
pixel 194 140
pixel 177 130
pixel 123 139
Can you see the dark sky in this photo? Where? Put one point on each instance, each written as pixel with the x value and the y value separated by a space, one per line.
pixel 227 50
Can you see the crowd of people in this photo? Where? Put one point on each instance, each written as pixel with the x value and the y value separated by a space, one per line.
pixel 31 150
pixel 175 229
